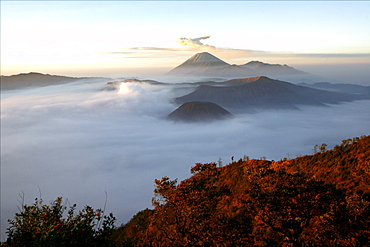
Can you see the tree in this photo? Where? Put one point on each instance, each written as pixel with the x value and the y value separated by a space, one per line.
pixel 45 225
pixel 315 148
pixel 323 147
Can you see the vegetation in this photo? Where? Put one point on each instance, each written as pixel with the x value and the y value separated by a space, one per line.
pixel 313 200
pixel 41 225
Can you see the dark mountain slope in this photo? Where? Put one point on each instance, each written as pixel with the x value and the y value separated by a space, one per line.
pixel 263 92
pixel 33 80
pixel 199 112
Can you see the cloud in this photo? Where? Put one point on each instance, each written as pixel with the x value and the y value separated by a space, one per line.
pixel 148 52
pixel 194 42
pixel 152 49
pixel 237 56
pixel 352 66
pixel 77 141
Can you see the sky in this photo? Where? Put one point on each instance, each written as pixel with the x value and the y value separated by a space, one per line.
pixel 128 38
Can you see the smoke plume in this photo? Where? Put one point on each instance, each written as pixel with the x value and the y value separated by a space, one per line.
pixel 194 42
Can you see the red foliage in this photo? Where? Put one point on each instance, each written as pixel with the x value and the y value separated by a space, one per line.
pixel 316 200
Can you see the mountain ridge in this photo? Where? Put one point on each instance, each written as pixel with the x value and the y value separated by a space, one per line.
pixel 207 65
pixel 262 92
pixel 35 79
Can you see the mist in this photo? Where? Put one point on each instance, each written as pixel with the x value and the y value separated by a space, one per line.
pixel 340 73
pixel 79 141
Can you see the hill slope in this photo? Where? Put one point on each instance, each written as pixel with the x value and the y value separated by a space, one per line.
pixel 315 200
pixel 33 80
pixel 263 93
pixel 199 112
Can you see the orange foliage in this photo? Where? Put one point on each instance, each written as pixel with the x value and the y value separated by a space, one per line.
pixel 315 200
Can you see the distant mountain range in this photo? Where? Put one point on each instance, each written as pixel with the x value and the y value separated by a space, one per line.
pixel 207 65
pixel 342 88
pixel 199 112
pixel 34 79
pixel 210 100
pixel 249 95
pixel 261 92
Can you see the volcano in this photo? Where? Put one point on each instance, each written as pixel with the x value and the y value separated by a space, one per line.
pixel 199 112
pixel 198 64
pixel 207 65
pixel 262 92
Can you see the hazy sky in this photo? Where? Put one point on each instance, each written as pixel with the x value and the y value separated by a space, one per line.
pixel 104 38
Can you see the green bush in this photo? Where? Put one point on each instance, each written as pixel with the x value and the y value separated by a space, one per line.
pixel 52 225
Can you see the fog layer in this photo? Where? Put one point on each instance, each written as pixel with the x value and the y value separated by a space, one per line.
pixel 78 141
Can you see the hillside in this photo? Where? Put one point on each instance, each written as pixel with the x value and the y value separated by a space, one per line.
pixel 263 93
pixel 199 112
pixel 347 165
pixel 33 79
pixel 314 200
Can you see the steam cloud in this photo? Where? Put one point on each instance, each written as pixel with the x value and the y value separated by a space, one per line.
pixel 78 141
pixel 194 42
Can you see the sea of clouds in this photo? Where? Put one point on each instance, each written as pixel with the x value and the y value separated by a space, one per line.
pixel 81 141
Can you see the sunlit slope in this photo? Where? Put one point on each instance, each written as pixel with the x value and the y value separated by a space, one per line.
pixel 314 200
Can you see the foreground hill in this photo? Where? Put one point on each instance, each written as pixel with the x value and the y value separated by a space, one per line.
pixel 315 200
pixel 34 80
pixel 199 112
pixel 264 93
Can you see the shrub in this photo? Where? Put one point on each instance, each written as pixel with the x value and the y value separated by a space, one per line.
pixel 41 225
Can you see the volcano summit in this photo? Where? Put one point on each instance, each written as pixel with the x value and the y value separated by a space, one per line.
pixel 207 65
